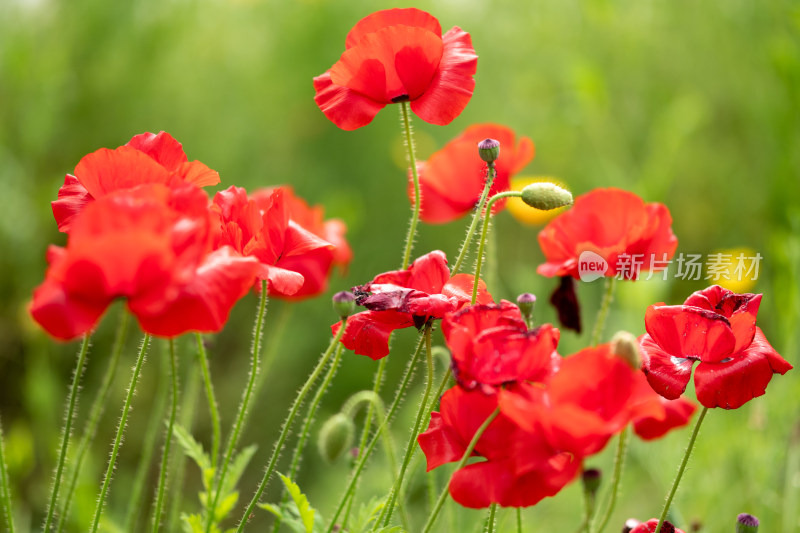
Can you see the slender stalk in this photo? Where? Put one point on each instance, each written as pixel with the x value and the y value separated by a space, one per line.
pixel 364 456
pixel 213 411
pixel 126 408
pixel 5 488
pixel 476 216
pixel 242 413
pixel 490 518
pixel 619 461
pixel 377 382
pixel 602 313
pixel 589 501
pixel 72 401
pixel 519 520
pixel 312 411
pixel 460 465
pixel 287 425
pixel 95 413
pixel 487 217
pixel 173 411
pixel 685 460
pixel 412 443
pixel 412 161
pixel 148 445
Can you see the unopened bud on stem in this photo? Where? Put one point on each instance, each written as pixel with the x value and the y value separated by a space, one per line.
pixel 336 437
pixel 526 302
pixel 626 346
pixel 746 523
pixel 344 303
pixel 546 196
pixel 489 150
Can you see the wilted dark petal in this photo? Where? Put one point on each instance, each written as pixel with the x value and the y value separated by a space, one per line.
pixel 565 300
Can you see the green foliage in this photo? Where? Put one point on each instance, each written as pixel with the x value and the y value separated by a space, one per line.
pixel 298 513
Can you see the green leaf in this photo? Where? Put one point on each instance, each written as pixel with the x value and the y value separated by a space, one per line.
pixel 288 514
pixel 225 506
pixel 237 466
pixel 192 523
pixel 366 514
pixel 391 529
pixel 303 507
pixel 191 447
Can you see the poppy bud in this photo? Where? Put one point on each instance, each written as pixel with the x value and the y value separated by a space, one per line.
pixel 546 196
pixel 489 150
pixel 526 301
pixel 746 523
pixel 626 346
pixel 591 481
pixel 335 437
pixel 344 303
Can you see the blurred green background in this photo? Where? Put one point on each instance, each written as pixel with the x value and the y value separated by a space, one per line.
pixel 694 104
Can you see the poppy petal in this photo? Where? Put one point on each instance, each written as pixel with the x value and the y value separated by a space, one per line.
pixel 684 331
pixel 667 374
pixel 346 108
pixel 440 443
pixel 389 17
pixel 105 171
pixel 367 333
pixel 72 198
pixel 162 147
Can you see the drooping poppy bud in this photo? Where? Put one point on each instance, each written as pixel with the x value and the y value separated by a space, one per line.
pixel 546 196
pixel 335 437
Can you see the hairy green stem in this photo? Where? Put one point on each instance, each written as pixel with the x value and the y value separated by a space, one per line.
pixel 602 313
pixel 476 216
pixel 243 405
pixel 487 217
pixel 287 425
pixel 388 509
pixel 619 461
pixel 364 456
pixel 412 162
pixel 519 520
pixel 5 488
pixel 70 415
pixel 213 411
pixel 173 411
pixel 681 469
pixel 101 499
pixel 491 518
pixel 95 413
pixel 460 465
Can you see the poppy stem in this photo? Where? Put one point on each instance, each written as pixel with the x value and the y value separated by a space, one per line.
pixel 491 173
pixel 619 461
pixel 67 432
pixel 519 520
pixel 126 408
pixel 312 411
pixel 287 425
pixel 242 414
pixel 486 217
pixel 412 442
pixel 412 161
pixel 216 432
pixel 602 313
pixel 685 460
pixel 460 465
pixel 363 456
pixel 378 381
pixel 5 491
pixel 490 518
pixel 173 411
pixel 95 413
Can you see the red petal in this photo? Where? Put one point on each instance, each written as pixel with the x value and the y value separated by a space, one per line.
pixel 684 331
pixel 163 148
pixel 197 173
pixel 205 303
pixel 451 89
pixel 72 198
pixel 343 106
pixel 460 287
pixel 677 414
pixel 651 525
pixel 745 376
pixel 390 17
pixel 429 273
pixel 367 333
pixel 440 443
pixel 668 375
pixel 281 282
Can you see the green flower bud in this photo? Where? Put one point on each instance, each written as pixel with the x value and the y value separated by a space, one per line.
pixel 626 346
pixel 344 303
pixel 336 437
pixel 526 302
pixel 746 523
pixel 489 150
pixel 546 196
pixel 591 480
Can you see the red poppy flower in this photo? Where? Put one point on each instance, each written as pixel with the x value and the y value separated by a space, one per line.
pixel 491 346
pixel 405 298
pixel 651 525
pixel 151 245
pixel 261 226
pixel 716 327
pixel 398 55
pixel 521 467
pixel 146 158
pixel 452 179
pixel 611 223
pixel 676 414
